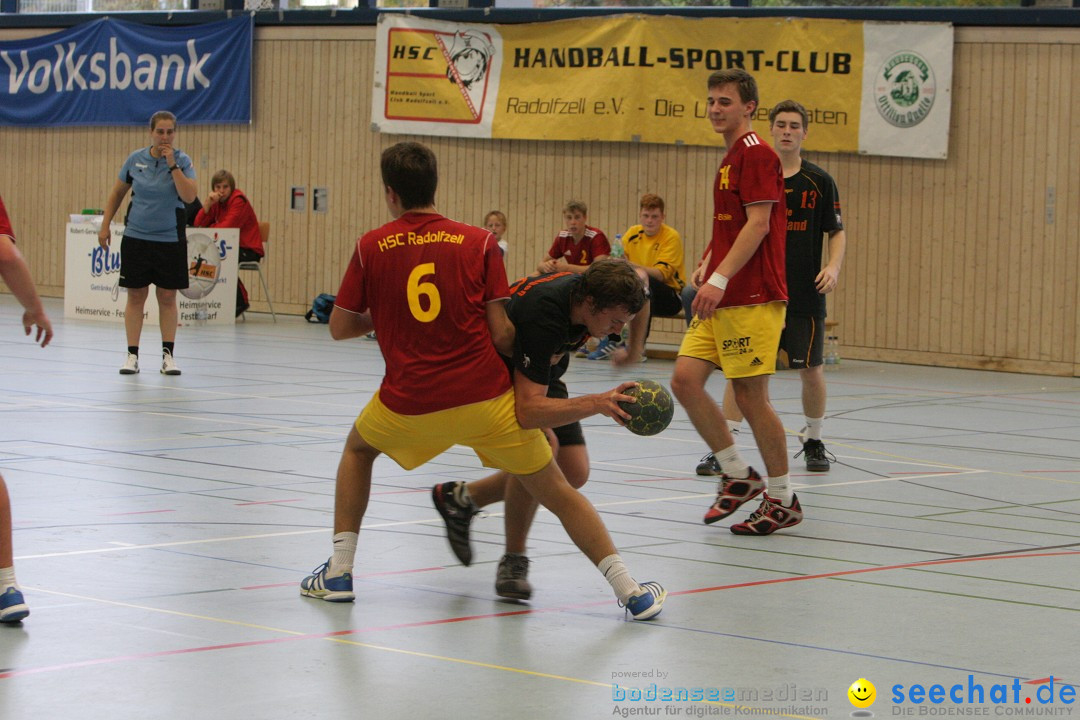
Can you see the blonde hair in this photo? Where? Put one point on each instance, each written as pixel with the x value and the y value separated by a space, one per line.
pixel 496 214
pixel 576 206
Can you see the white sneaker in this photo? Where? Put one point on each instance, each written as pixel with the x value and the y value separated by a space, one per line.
pixel 168 365
pixel 131 365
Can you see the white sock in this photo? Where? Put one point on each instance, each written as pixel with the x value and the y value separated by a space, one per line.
pixel 813 428
pixel 7 578
pixel 461 494
pixel 735 426
pixel 779 489
pixel 732 463
pixel 618 576
pixel 344 554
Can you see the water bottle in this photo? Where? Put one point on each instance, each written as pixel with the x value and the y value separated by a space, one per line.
pixel 617 249
pixel 200 317
pixel 832 350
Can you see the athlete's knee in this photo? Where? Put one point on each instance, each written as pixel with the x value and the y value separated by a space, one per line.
pixel 750 392
pixel 685 384
pixel 137 296
pixel 577 477
pixel 357 446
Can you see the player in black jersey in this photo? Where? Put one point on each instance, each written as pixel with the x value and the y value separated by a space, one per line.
pixel 553 315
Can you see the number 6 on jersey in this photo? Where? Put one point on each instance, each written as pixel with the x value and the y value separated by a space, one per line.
pixel 416 289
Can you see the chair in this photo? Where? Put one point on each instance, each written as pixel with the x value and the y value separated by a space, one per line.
pixel 256 265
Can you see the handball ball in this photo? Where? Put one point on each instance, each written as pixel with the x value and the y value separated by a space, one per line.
pixel 652 412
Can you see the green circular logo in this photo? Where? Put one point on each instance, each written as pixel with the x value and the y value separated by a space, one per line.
pixel 904 89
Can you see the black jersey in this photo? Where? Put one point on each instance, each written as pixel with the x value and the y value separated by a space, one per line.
pixel 813 213
pixel 540 307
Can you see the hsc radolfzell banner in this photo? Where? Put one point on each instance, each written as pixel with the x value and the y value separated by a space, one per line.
pixel 110 72
pixel 873 88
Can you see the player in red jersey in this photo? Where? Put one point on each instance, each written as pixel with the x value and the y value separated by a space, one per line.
pixel 578 245
pixel 16 275
pixel 434 291
pixel 813 211
pixel 739 312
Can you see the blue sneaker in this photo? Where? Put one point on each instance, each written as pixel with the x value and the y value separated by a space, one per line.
pixel 12 606
pixel 603 350
pixel 647 602
pixel 330 589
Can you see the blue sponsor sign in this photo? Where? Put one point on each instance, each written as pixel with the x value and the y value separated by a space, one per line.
pixel 110 72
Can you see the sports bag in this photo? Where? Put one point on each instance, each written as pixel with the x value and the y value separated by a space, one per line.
pixel 320 309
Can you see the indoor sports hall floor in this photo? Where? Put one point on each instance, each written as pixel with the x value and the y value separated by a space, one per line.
pixel 162 525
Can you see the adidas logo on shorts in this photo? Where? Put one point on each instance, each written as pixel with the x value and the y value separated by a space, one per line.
pixel 756 362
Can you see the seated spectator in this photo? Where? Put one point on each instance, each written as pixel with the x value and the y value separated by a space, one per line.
pixel 577 246
pixel 228 207
pixel 656 252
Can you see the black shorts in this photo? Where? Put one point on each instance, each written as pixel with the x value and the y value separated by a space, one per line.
pixel 665 302
pixel 144 263
pixel 570 434
pixel 803 340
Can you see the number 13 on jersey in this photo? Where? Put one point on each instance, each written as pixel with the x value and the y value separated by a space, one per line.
pixel 415 289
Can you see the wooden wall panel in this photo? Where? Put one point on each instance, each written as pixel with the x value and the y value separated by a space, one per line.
pixel 950 262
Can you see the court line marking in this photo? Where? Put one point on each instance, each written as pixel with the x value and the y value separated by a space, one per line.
pixel 892 457
pixel 427 521
pixel 261 536
pixel 338 635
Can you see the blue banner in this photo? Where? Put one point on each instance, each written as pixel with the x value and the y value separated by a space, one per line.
pixel 110 72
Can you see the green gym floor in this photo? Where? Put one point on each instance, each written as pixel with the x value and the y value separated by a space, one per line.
pixel 162 525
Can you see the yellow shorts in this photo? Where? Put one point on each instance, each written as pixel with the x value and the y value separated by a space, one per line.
pixel 490 428
pixel 741 341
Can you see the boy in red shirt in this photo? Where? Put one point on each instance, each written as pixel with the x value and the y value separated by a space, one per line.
pixel 434 291
pixel 226 206
pixel 739 312
pixel 578 245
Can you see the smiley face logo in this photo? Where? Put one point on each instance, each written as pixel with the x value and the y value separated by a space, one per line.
pixel 862 693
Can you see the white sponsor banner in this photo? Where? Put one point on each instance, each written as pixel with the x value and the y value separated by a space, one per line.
pixel 92 274
pixel 463 94
pixel 907 84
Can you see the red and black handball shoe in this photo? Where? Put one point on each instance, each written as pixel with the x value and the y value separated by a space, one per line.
pixel 770 517
pixel 733 492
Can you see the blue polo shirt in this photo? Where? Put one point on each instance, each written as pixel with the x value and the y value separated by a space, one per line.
pixel 156 212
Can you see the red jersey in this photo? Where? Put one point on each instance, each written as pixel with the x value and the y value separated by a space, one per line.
pixel 5 223
pixel 749 173
pixel 427 281
pixel 592 245
pixel 235 212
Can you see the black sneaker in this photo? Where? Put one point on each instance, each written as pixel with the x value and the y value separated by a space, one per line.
pixel 457 515
pixel 817 457
pixel 709 466
pixel 512 580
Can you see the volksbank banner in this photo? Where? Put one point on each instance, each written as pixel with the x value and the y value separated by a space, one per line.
pixel 874 88
pixel 109 72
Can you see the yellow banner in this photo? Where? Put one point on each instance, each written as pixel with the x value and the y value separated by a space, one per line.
pixel 634 78
pixel 644 79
